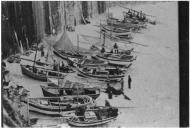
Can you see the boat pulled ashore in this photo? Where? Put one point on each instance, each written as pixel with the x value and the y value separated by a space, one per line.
pixel 116 59
pixel 39 73
pixel 55 106
pixel 102 73
pixel 94 116
pixel 69 88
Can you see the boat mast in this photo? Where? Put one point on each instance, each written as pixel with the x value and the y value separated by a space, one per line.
pixel 35 56
pixel 65 16
pixel 108 8
pixel 28 111
pixel 78 43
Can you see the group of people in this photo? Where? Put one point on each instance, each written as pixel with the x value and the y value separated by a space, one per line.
pixel 114 50
pixel 58 66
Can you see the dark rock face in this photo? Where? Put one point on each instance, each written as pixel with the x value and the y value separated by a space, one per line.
pixel 17 26
pixel 24 23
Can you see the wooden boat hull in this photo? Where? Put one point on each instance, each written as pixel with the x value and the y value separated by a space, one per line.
pixel 116 62
pixel 91 63
pixel 100 77
pixel 93 117
pixel 32 74
pixel 66 56
pixel 55 109
pixel 90 124
pixel 37 76
pixel 114 29
pixel 116 32
pixel 56 93
pixel 44 112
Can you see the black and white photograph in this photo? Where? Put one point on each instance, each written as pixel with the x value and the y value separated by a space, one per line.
pixel 67 64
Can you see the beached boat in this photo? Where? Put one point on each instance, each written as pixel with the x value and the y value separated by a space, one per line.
pixel 121 36
pixel 114 29
pixel 95 116
pixel 91 62
pixel 117 23
pixel 54 106
pixel 38 73
pixel 66 55
pixel 70 88
pixel 102 73
pixel 116 59
pixel 96 62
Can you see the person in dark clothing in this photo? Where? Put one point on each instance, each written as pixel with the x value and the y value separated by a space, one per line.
pixel 3 64
pixel 35 70
pixel 109 90
pixel 122 84
pixel 107 103
pixel 115 46
pixel 62 66
pixel 94 71
pixel 129 82
pixel 102 50
pixel 55 65
pixel 42 52
pixel 80 112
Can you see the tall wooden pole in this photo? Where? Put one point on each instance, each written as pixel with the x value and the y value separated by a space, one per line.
pixel 65 16
pixel 28 110
pixel 50 16
pixel 78 43
pixel 35 56
pixel 100 30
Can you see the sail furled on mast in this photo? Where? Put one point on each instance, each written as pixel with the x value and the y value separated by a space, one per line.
pixel 64 43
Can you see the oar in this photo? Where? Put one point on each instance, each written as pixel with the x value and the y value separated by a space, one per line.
pixel 31 60
pixel 125 96
pixel 145 45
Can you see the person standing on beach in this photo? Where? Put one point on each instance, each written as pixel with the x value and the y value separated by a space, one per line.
pixel 122 83
pixel 129 82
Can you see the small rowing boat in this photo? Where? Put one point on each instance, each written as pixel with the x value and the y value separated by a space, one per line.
pixel 102 73
pixel 95 116
pixel 116 59
pixel 38 73
pixel 54 106
pixel 70 88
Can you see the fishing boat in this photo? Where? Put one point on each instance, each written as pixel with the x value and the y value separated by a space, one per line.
pixel 102 73
pixel 115 56
pixel 66 55
pixel 117 23
pixel 96 62
pixel 121 36
pixel 116 59
pixel 70 88
pixel 114 29
pixel 38 73
pixel 56 106
pixel 65 49
pixel 95 116
pixel 139 15
pixel 92 62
